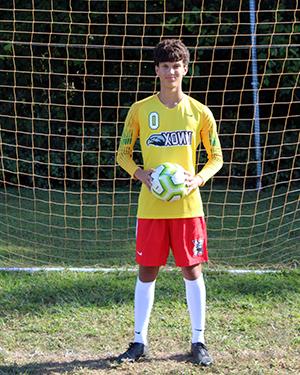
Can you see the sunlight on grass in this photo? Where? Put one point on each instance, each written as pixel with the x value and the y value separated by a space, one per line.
pixel 77 322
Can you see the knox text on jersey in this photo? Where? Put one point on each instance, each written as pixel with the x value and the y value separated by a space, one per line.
pixel 170 138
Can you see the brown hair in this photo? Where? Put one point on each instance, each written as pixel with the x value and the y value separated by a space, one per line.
pixel 171 50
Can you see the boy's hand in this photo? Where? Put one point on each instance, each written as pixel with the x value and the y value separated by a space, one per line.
pixel 192 182
pixel 144 176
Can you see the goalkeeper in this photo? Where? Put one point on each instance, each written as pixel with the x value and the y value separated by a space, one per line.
pixel 170 126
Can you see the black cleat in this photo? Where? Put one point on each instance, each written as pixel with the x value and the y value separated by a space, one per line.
pixel 135 351
pixel 200 354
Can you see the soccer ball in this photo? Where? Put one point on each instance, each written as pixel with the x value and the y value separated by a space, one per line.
pixel 168 182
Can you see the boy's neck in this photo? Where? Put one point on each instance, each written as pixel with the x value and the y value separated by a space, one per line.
pixel 170 98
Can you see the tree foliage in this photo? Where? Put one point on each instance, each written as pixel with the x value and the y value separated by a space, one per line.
pixel 70 71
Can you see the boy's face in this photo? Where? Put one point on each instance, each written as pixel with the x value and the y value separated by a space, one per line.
pixel 171 73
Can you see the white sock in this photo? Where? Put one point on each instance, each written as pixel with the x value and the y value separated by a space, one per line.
pixel 196 301
pixel 143 302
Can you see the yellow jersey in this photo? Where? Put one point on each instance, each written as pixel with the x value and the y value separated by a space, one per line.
pixel 170 135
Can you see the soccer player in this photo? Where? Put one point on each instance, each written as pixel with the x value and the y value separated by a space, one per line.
pixel 170 126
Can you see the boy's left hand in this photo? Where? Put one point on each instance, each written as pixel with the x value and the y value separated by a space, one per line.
pixel 192 181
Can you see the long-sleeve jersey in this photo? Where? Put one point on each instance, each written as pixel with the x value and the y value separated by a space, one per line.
pixel 170 135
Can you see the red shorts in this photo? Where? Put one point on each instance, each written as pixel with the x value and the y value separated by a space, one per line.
pixel 186 237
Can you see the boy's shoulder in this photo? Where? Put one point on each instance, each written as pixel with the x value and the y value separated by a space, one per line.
pixel 151 100
pixel 196 103
pixel 146 100
pixel 198 106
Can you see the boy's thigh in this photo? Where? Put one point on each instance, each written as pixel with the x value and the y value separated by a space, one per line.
pixel 188 240
pixel 152 242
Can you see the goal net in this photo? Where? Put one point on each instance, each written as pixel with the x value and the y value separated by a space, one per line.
pixel 69 73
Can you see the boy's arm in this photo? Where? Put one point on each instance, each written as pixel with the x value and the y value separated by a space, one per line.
pixel 210 140
pixel 127 142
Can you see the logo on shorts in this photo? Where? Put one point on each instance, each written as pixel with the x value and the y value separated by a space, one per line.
pixel 140 253
pixel 198 247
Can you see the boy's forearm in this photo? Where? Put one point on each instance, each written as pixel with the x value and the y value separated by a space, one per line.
pixel 126 162
pixel 211 167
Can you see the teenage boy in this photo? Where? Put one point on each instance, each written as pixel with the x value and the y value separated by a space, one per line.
pixel 170 126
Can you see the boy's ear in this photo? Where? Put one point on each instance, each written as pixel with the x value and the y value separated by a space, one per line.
pixel 156 69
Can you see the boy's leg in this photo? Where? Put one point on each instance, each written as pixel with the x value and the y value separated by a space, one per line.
pixel 189 239
pixel 152 250
pixel 143 302
pixel 196 301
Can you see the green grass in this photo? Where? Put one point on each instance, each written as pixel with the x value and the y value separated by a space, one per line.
pixel 56 228
pixel 76 323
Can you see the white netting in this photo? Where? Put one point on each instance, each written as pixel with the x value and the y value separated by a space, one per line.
pixel 70 71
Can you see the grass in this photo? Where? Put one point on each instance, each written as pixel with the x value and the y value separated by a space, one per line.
pixel 56 228
pixel 76 323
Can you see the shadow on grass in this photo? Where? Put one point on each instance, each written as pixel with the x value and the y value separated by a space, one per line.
pixel 45 368
pixel 105 364
pixel 31 293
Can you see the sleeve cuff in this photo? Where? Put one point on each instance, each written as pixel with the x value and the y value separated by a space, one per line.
pixel 203 180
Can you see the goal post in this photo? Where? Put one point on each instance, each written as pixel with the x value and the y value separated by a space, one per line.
pixel 69 73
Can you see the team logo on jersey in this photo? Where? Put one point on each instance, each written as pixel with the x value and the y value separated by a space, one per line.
pixel 169 139
pixel 153 120
pixel 198 247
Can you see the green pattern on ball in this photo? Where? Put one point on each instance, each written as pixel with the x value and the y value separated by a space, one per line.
pixel 168 182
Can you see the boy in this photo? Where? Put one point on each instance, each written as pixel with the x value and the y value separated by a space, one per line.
pixel 180 123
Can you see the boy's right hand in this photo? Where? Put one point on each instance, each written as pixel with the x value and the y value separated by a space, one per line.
pixel 144 176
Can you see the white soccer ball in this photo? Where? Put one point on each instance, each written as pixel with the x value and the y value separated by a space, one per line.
pixel 168 182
